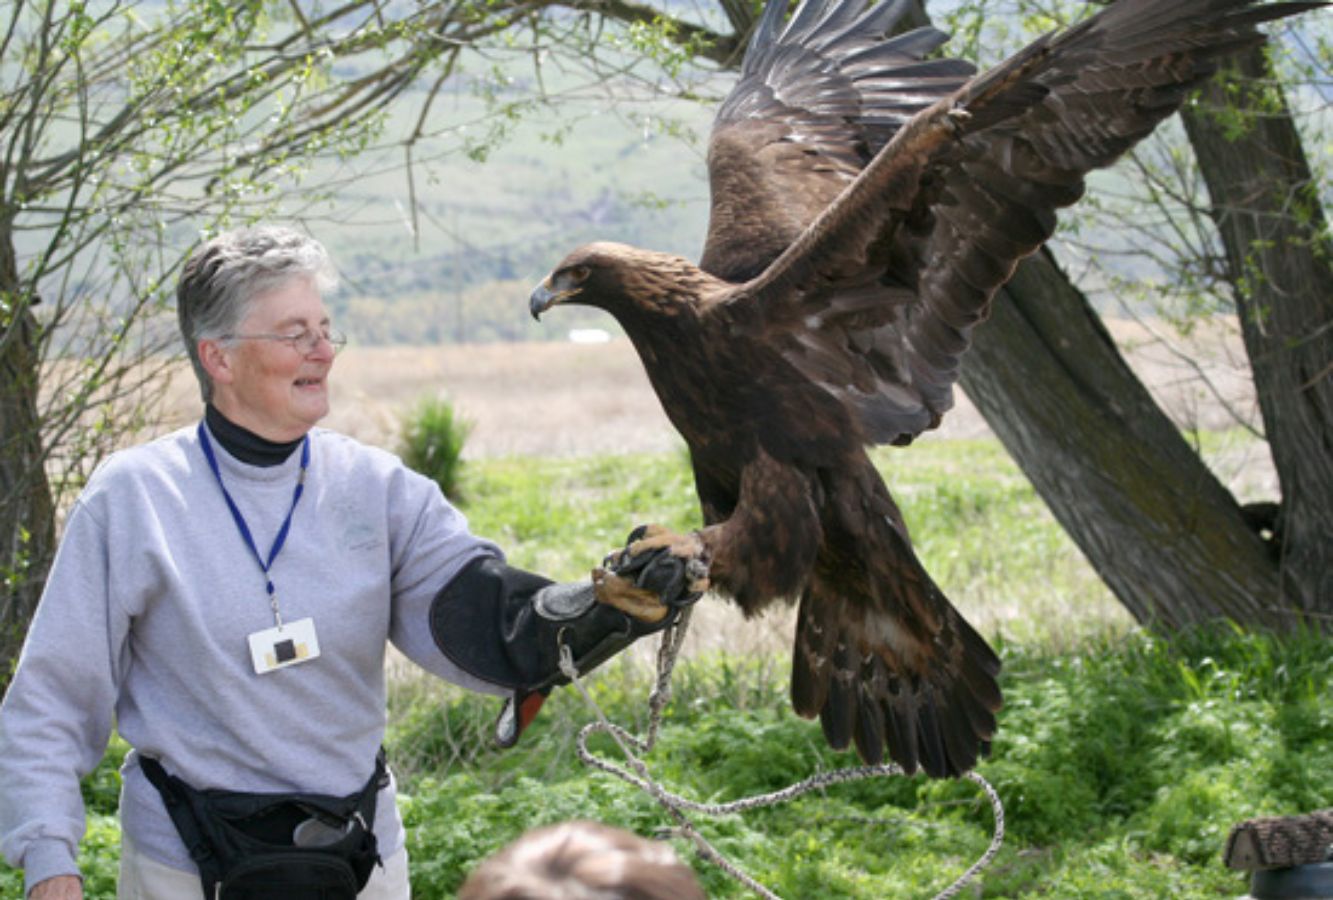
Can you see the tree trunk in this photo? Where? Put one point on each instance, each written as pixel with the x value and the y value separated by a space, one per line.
pixel 1279 259
pixel 1167 538
pixel 27 515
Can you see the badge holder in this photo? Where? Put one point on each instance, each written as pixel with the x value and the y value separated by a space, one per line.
pixel 284 645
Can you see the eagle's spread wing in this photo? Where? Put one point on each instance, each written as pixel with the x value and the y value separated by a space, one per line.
pixel 815 100
pixel 878 297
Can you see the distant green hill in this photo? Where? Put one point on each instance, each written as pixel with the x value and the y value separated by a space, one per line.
pixel 501 196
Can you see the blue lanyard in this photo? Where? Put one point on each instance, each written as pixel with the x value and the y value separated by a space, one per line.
pixel 240 519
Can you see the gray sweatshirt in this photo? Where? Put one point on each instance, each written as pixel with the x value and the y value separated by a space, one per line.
pixel 145 621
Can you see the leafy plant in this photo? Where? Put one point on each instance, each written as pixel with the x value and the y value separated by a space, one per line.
pixel 432 443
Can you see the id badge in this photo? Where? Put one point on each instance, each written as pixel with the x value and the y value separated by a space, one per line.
pixel 278 648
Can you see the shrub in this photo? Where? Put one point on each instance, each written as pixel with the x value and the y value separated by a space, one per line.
pixel 432 443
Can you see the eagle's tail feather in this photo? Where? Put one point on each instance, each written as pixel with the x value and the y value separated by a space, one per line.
pixel 841 713
pixel 889 665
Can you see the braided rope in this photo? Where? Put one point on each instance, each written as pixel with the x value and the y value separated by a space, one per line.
pixel 674 804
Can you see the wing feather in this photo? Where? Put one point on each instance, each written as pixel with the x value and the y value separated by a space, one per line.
pixel 814 101
pixel 887 281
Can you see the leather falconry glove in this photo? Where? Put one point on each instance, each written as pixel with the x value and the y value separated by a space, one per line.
pixel 507 626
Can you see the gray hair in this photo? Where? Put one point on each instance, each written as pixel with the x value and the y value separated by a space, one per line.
pixel 225 275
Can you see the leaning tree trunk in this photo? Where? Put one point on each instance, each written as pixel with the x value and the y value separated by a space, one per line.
pixel 1167 538
pixel 27 515
pixel 1164 535
pixel 1280 262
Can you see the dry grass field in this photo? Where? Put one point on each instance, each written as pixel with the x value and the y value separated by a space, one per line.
pixel 563 399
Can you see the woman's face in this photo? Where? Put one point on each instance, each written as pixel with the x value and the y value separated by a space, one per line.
pixel 274 388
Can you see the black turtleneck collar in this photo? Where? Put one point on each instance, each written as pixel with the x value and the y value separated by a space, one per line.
pixel 245 445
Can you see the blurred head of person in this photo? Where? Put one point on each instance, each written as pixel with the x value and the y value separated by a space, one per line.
pixel 582 861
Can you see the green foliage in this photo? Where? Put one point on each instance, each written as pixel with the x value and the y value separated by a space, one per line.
pixel 432 443
pixel 1153 750
pixel 99 856
pixel 101 789
pixel 1122 766
pixel 1122 759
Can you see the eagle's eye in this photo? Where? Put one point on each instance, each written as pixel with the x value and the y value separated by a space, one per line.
pixel 579 274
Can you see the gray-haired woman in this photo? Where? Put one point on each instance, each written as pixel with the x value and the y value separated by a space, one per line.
pixel 224 594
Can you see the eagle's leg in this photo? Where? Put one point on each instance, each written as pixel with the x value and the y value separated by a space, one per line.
pixel 765 549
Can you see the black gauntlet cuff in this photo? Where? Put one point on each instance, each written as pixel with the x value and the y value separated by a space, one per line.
pixel 506 626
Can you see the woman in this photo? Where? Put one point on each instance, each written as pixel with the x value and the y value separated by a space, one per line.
pixel 225 592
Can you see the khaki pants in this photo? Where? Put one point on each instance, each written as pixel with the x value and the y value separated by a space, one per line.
pixel 142 878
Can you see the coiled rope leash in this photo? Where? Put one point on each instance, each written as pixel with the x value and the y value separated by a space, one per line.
pixel 672 639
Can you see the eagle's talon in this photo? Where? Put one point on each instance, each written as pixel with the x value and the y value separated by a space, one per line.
pixel 622 594
pixel 658 570
pixel 696 571
pixel 658 537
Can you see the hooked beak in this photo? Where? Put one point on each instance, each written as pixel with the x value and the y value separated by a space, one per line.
pixel 543 298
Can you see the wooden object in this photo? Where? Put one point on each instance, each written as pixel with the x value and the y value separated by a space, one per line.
pixel 1277 842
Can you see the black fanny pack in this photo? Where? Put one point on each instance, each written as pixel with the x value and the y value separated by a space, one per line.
pixel 275 846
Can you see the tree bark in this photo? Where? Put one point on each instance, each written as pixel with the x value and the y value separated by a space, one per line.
pixel 1169 540
pixel 27 514
pixel 1279 260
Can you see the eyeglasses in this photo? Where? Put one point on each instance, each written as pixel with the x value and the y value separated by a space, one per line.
pixel 303 342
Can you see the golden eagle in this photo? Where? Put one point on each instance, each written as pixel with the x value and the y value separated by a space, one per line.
pixel 867 203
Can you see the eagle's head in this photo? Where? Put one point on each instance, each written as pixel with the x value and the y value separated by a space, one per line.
pixel 620 279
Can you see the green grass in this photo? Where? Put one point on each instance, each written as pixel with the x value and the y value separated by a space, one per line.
pixel 1122 766
pixel 1122 760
